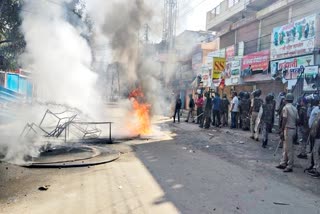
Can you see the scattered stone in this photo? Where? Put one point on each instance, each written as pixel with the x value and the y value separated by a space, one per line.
pixel 7 168
pixel 280 203
pixel 120 187
pixel 214 209
pixel 192 151
pixel 238 208
pixel 184 148
pixel 207 146
pixel 241 142
pixel 44 188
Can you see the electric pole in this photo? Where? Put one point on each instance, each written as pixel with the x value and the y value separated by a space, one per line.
pixel 170 23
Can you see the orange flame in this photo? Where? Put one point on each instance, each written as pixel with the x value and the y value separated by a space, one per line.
pixel 141 113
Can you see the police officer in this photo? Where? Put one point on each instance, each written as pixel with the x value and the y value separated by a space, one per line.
pixel 266 112
pixel 256 103
pixel 244 108
pixel 303 128
pixel 224 110
pixel 207 111
pixel 289 127
pixel 314 171
pixel 274 103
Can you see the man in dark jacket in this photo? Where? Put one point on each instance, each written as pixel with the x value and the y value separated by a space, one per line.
pixel 191 109
pixel 216 110
pixel 207 112
pixel 224 109
pixel 177 109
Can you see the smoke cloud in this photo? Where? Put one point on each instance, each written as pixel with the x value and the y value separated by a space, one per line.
pixel 62 61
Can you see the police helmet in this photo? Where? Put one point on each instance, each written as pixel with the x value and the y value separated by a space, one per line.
pixel 269 98
pixel 247 95
pixel 257 93
pixel 289 97
pixel 241 94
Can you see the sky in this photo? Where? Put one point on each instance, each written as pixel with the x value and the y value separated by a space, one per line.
pixel 192 14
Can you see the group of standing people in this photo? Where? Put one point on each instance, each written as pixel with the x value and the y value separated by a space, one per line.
pixel 298 124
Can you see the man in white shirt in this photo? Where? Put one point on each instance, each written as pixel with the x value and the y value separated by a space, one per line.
pixel 234 110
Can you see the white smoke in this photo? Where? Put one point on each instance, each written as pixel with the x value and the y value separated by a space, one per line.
pixel 59 56
pixel 60 59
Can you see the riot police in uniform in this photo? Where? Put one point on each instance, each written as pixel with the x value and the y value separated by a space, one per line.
pixel 266 112
pixel 274 104
pixel 244 108
pixel 256 103
pixel 207 111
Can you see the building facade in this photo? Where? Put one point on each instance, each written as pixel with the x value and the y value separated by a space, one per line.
pixel 274 41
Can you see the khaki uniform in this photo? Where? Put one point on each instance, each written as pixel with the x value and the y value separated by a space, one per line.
pixel 316 156
pixel 290 112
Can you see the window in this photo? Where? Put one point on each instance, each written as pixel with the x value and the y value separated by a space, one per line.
pixel 231 3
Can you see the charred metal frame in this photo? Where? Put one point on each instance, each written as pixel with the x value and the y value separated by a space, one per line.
pixel 63 125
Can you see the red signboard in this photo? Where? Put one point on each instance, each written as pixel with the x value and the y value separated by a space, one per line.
pixel 259 61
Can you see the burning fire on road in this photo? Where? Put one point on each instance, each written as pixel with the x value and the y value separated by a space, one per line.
pixel 141 125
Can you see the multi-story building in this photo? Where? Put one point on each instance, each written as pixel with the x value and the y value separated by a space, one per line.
pixel 273 38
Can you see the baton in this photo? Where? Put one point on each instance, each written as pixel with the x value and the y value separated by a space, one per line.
pixel 198 116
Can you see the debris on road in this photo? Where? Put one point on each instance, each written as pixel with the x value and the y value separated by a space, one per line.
pixel 184 148
pixel 44 188
pixel 280 203
pixel 207 146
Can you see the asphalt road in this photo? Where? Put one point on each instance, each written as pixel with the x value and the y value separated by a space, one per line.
pixel 186 170
pixel 219 171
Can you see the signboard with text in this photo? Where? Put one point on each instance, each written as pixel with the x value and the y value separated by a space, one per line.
pixel 230 52
pixel 219 53
pixel 255 66
pixel 310 78
pixel 232 72
pixel 258 61
pixel 219 65
pixel 293 39
pixel 290 68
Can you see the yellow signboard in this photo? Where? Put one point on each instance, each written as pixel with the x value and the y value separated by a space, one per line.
pixel 219 65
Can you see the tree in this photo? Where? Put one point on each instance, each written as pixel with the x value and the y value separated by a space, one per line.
pixel 12 42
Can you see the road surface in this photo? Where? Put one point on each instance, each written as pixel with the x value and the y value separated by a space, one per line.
pixel 185 170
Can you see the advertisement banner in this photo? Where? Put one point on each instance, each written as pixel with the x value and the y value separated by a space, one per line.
pixel 293 39
pixel 258 61
pixel 219 65
pixel 232 72
pixel 205 76
pixel 310 77
pixel 230 52
pixel 290 68
pixel 219 53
